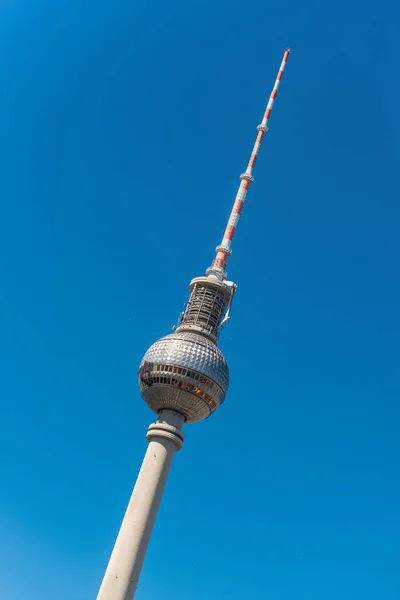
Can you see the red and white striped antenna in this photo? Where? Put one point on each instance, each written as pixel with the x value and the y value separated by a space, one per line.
pixel 246 179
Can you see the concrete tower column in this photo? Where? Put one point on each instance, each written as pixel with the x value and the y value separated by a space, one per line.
pixel 123 570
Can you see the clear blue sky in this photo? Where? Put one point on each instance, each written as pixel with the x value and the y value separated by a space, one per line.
pixel 124 128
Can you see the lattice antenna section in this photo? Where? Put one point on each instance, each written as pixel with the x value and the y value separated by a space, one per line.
pixel 206 306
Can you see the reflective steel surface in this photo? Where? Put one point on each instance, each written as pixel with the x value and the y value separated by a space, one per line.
pixel 185 372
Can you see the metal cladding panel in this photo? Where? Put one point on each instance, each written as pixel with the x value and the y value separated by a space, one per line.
pixel 192 351
pixel 193 408
pixel 185 372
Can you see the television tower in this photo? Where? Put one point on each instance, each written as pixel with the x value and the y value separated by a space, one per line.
pixel 183 378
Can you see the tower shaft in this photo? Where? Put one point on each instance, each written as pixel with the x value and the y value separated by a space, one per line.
pixel 126 561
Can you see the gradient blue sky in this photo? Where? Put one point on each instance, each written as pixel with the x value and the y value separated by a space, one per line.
pixel 124 128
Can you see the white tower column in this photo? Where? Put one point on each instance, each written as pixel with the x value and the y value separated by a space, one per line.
pixel 123 570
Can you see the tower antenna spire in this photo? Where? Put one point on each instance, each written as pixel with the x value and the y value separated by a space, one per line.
pixel 218 266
